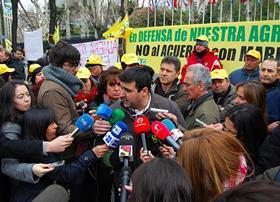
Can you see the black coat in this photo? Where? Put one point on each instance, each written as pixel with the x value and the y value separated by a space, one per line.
pixel 269 156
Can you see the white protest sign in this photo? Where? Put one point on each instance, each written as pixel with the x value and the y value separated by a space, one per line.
pixel 107 49
pixel 33 45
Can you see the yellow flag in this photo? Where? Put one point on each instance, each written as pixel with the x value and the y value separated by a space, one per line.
pixel 8 45
pixel 118 30
pixel 109 33
pixel 56 35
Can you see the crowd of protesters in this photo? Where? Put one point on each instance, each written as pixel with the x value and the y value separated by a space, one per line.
pixel 227 125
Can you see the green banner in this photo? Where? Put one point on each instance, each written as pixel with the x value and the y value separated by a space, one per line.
pixel 230 41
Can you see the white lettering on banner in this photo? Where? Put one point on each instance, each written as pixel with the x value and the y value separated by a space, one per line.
pixel 107 49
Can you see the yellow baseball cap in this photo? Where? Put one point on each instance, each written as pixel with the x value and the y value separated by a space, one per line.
pixel 83 73
pixel 32 67
pixel 118 65
pixel 219 74
pixel 95 60
pixel 254 53
pixel 202 38
pixel 130 58
pixel 4 69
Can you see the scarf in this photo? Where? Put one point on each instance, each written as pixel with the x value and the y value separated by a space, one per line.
pixel 86 96
pixel 68 81
pixel 241 174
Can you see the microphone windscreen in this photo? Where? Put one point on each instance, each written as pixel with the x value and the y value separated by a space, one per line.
pixel 160 130
pixel 104 111
pixel 117 115
pixel 141 125
pixel 169 124
pixel 84 122
pixel 126 139
pixel 119 128
pixel 126 146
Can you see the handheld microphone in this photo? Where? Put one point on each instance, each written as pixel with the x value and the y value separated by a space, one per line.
pixel 112 137
pixel 176 134
pixel 104 111
pixel 125 155
pixel 117 115
pixel 83 124
pixel 162 132
pixel 142 127
pixel 108 114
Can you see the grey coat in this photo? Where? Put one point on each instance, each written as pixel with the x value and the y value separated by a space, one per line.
pixel 204 109
pixel 12 167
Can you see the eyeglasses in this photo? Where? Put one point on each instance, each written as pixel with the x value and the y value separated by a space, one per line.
pixel 71 65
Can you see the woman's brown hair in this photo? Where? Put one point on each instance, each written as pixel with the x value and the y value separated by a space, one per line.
pixel 210 157
pixel 254 93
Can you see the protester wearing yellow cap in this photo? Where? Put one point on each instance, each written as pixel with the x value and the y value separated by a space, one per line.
pixel 32 67
pixel 36 77
pixel 5 74
pixel 118 65
pixel 89 91
pixel 224 92
pixel 5 69
pixel 250 70
pixel 201 54
pixel 94 64
pixel 129 60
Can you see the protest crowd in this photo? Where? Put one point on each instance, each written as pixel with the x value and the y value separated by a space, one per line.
pixel 190 132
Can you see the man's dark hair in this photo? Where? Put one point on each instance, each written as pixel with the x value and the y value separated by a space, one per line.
pixel 255 191
pixel 18 48
pixel 64 52
pixel 172 60
pixel 140 75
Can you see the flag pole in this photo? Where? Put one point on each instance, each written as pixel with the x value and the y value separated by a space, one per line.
pixel 148 19
pixel 181 11
pixel 164 11
pixel 248 10
pixel 261 10
pixel 172 13
pixel 274 11
pixel 204 8
pixel 189 13
pixel 267 14
pixel 231 2
pixel 211 11
pixel 255 11
pixel 239 8
pixel 155 13
pixel 221 11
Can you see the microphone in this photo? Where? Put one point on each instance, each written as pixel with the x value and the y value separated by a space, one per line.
pixel 176 134
pixel 117 115
pixel 162 132
pixel 142 127
pixel 104 111
pixel 125 155
pixel 112 137
pixel 83 123
pixel 108 114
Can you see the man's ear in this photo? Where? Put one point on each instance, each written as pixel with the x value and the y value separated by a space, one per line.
pixel 145 91
pixel 201 85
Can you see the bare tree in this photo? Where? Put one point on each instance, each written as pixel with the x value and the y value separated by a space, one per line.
pixel 15 22
pixel 52 20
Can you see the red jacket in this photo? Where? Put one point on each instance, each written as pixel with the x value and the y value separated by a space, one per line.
pixel 209 60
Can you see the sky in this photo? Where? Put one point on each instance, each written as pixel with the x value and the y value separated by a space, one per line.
pixel 29 6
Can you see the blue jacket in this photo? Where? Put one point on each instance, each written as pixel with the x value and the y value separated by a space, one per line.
pixel 241 75
pixel 273 105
